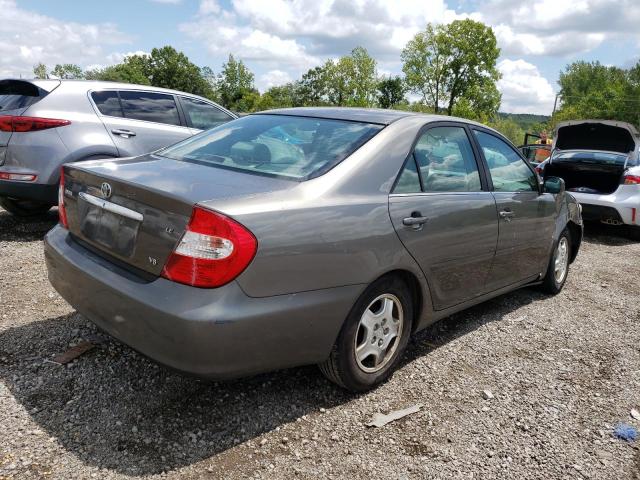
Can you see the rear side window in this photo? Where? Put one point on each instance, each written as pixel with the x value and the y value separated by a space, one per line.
pixel 203 115
pixel 150 107
pixel 108 103
pixel 15 94
pixel 409 180
pixel 446 163
pixel 509 172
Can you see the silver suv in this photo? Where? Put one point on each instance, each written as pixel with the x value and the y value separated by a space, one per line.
pixel 46 123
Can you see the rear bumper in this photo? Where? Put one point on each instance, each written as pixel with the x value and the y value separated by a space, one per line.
pixel 29 191
pixel 214 333
pixel 623 205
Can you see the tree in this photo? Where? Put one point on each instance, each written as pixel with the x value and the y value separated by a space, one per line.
pixel 40 71
pixel 168 68
pixel 390 92
pixel 313 85
pixel 360 70
pixel 593 90
pixel 509 128
pixel 234 83
pixel 67 70
pixel 134 69
pixel 283 96
pixel 424 63
pixel 349 81
pixel 448 63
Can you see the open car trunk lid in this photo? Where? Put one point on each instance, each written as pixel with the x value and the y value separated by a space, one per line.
pixel 591 155
pixel 603 135
pixel 135 211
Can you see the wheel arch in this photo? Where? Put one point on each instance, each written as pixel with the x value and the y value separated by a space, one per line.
pixel 575 231
pixel 415 289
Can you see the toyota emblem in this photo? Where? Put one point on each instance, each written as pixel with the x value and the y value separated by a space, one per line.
pixel 105 189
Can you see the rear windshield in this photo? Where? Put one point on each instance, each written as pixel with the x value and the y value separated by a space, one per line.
pixel 15 94
pixel 591 157
pixel 278 145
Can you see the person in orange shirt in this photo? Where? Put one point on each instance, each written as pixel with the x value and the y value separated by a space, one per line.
pixel 542 153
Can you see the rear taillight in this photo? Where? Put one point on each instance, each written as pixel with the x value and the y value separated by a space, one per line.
pixel 62 211
pixel 631 180
pixel 19 177
pixel 16 123
pixel 212 252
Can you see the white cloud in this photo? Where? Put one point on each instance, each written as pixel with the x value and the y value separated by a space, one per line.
pixel 524 89
pixel 560 27
pixel 298 34
pixel 29 38
pixel 273 78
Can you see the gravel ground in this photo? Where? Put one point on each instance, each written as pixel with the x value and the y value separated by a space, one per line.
pixel 563 371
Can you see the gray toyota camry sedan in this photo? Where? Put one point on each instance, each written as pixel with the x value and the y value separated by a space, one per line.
pixel 301 236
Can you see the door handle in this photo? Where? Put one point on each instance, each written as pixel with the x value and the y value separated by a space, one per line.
pixel 415 220
pixel 507 215
pixel 123 133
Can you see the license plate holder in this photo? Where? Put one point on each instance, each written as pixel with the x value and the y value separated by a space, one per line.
pixel 112 231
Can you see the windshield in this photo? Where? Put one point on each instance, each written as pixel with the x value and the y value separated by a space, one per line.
pixel 279 145
pixel 591 157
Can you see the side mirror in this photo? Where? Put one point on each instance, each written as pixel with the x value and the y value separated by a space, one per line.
pixel 554 185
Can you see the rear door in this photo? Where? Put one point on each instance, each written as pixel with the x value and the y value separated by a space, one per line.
pixel 526 217
pixel 140 121
pixel 445 215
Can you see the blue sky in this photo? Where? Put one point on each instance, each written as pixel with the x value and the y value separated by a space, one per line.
pixel 280 39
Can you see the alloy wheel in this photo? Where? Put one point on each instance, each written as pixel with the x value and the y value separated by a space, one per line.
pixel 379 333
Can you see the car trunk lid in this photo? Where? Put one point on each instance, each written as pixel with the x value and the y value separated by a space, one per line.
pixel 136 210
pixel 602 135
pixel 591 155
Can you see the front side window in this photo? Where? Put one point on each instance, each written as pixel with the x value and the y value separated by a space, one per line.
pixel 203 115
pixel 508 171
pixel 108 103
pixel 280 145
pixel 150 107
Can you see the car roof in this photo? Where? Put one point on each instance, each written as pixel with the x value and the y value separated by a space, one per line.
pixel 369 115
pixel 101 84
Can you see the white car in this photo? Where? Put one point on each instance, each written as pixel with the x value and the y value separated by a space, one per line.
pixel 598 160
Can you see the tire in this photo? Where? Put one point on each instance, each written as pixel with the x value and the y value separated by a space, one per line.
pixel 386 305
pixel 24 208
pixel 554 280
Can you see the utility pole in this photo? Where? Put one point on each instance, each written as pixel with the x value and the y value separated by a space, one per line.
pixel 555 104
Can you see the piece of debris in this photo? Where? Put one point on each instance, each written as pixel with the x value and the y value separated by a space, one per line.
pixel 380 420
pixel 624 431
pixel 635 414
pixel 487 395
pixel 73 353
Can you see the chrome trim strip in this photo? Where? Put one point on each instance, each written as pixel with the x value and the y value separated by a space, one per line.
pixel 112 207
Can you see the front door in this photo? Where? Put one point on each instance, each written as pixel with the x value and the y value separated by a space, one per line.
pixel 444 216
pixel 526 217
